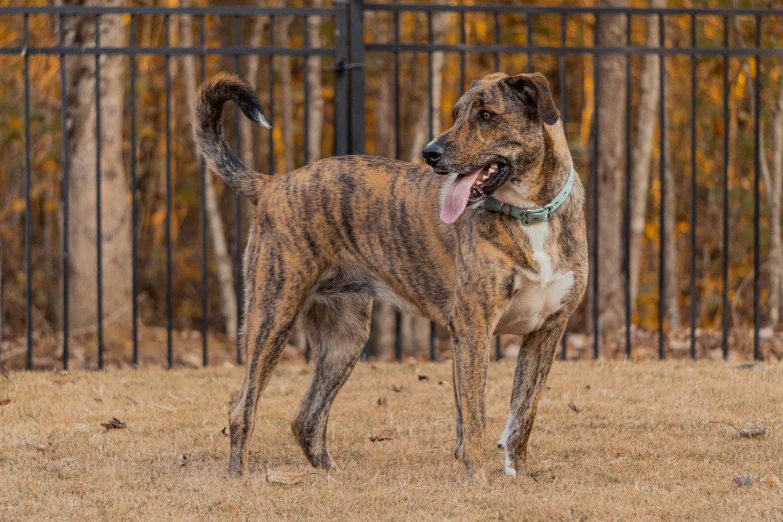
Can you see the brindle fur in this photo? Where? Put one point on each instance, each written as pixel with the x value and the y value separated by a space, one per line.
pixel 331 236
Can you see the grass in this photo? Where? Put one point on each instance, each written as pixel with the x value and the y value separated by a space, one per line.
pixel 642 448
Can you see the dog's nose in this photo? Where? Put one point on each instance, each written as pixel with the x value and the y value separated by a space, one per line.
pixel 432 153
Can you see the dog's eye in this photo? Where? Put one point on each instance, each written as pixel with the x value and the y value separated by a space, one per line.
pixel 485 115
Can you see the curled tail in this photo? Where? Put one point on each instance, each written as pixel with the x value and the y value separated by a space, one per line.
pixel 207 117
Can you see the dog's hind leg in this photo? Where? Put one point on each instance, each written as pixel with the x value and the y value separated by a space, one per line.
pixel 277 283
pixel 337 330
pixel 533 365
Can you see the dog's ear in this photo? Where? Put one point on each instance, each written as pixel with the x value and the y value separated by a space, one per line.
pixel 533 88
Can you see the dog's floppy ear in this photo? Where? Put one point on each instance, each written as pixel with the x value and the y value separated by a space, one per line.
pixel 534 87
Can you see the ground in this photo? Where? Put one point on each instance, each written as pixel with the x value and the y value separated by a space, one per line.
pixel 642 447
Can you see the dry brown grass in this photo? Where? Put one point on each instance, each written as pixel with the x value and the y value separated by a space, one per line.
pixel 641 449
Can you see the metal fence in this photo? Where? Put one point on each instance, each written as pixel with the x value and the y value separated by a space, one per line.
pixel 348 52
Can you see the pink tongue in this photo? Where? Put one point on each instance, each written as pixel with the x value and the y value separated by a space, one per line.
pixel 457 197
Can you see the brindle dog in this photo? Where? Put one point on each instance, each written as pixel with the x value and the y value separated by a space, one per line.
pixel 330 237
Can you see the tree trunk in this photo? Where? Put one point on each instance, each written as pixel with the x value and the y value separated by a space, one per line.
pixel 316 106
pixel 774 186
pixel 610 159
pixel 641 156
pixel 670 263
pixel 115 215
pixel 384 314
pixel 225 273
pixel 416 330
pixel 287 102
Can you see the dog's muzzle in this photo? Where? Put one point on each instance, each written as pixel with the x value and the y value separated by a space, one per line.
pixel 433 153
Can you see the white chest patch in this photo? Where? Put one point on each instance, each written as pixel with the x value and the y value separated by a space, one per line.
pixel 540 292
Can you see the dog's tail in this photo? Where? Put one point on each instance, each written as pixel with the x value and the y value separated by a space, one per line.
pixel 207 118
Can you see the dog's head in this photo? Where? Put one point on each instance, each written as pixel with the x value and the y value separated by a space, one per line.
pixel 497 137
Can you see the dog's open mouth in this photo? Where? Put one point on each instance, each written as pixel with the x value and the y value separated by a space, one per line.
pixel 469 189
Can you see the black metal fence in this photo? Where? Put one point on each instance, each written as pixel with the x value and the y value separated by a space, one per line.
pixel 348 53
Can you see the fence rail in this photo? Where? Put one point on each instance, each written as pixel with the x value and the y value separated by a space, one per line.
pixel 350 52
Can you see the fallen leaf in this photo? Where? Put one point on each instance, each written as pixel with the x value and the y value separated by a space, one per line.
pixel 587 387
pixel 182 460
pixel 755 431
pixel 423 378
pixel 747 433
pixel 743 480
pixel 5 402
pixel 749 366
pixel 442 383
pixel 114 424
pixel 58 371
pixel 288 477
pixel 225 432
pixel 97 399
pixel 379 438
pixel 383 401
pixel 771 481
pixel 41 447
pixel 396 389
pixel 573 407
pixel 374 367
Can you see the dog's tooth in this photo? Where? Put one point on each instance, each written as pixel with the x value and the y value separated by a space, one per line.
pixel 493 166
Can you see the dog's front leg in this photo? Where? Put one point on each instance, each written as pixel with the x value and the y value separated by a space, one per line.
pixel 477 309
pixel 533 365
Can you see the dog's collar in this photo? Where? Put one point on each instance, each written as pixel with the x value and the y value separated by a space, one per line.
pixel 533 216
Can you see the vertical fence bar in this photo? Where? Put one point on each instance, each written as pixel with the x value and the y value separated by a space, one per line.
pixel 237 198
pixel 98 210
pixel 169 285
pixel 356 57
pixel 134 206
pixel 564 120
pixel 725 217
pixel 694 304
pixel 628 184
pixel 308 348
pixel 756 195
pixel 498 342
pixel 462 39
pixel 662 167
pixel 430 109
pixel 397 147
pixel 66 208
pixel 341 83
pixel 497 40
pixel 594 183
pixel 529 24
pixel 27 203
pixel 203 197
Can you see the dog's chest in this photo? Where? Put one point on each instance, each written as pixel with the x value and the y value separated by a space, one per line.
pixel 539 289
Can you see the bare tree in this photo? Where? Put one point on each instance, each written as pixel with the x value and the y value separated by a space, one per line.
pixel 670 262
pixel 611 114
pixel 219 245
pixel 315 115
pixel 415 330
pixel 115 214
pixel 773 182
pixel 287 102
pixel 641 156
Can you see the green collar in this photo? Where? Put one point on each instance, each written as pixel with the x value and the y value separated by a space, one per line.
pixel 532 216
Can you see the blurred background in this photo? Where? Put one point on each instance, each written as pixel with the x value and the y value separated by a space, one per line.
pixel 179 233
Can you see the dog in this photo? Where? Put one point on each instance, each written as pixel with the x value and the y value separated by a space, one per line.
pixel 489 238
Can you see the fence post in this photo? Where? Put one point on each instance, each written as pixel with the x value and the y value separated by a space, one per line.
pixel 341 106
pixel 356 66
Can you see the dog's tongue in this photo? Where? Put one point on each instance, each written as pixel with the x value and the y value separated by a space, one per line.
pixel 457 197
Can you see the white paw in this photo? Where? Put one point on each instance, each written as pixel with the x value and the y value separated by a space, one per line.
pixel 509 468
